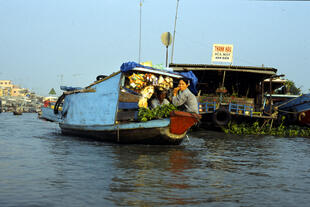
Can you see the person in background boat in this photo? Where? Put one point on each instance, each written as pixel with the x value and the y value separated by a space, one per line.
pixel 159 98
pixel 46 103
pixel 184 98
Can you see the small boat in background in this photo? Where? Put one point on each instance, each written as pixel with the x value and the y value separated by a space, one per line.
pixel 18 111
pixel 47 110
pixel 108 109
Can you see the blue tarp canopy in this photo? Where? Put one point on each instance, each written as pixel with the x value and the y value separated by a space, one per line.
pixel 69 88
pixel 125 67
pixel 298 104
pixel 194 81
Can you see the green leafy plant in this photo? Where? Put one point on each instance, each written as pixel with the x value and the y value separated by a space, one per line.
pixel 256 129
pixel 234 92
pixel 146 114
pixel 291 88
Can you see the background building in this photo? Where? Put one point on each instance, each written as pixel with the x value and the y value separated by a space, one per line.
pixel 12 97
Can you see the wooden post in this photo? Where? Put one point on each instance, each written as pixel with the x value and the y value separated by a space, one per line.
pixel 166 56
pixel 263 91
pixel 270 95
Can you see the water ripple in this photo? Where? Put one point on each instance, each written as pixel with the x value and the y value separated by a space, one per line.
pixel 41 167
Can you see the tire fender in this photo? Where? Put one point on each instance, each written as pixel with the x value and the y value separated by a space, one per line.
pixel 221 117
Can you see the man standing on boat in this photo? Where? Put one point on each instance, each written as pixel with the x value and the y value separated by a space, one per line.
pixel 183 97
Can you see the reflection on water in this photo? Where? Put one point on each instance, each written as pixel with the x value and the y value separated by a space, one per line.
pixel 41 167
pixel 152 171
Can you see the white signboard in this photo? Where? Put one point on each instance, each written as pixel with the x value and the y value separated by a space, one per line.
pixel 222 53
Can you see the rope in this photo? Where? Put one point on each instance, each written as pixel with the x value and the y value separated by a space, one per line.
pixel 289 101
pixel 58 102
pixel 288 112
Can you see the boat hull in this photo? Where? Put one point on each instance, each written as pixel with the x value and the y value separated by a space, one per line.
pixel 163 131
pixel 304 118
pixel 17 113
pixel 47 114
pixel 156 135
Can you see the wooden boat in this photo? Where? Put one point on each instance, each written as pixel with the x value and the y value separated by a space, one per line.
pixel 107 110
pixel 17 112
pixel 304 118
pixel 296 109
pixel 47 111
pixel 162 131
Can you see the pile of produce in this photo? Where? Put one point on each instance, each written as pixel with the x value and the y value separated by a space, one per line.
pixel 145 85
pixel 138 81
pixel 146 114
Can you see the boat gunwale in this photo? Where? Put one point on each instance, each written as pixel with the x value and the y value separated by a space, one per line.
pixel 122 126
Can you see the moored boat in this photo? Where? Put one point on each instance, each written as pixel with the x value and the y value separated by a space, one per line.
pixel 304 117
pixel 47 114
pixel 18 111
pixel 296 109
pixel 162 131
pixel 229 93
pixel 47 110
pixel 108 108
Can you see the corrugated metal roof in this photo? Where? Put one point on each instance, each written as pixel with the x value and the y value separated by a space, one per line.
pixel 181 67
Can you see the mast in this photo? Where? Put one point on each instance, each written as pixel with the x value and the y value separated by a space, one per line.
pixel 175 24
pixel 140 32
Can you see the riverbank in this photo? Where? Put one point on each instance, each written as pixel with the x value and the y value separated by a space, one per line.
pixel 26 104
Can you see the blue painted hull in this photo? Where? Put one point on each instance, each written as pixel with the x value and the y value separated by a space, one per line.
pixel 48 115
pixel 300 104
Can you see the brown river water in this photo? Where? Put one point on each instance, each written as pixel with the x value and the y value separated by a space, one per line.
pixel 41 167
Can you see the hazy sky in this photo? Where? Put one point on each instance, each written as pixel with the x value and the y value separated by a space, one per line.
pixel 48 43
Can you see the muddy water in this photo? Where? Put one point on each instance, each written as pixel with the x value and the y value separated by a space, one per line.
pixel 41 167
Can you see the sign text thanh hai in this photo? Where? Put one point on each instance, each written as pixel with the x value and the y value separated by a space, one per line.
pixel 222 53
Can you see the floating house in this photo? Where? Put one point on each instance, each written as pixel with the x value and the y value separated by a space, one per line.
pixel 228 92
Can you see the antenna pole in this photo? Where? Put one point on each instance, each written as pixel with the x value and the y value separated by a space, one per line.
pixel 166 56
pixel 175 24
pixel 140 32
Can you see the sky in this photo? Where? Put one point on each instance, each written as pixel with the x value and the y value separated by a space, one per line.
pixel 48 43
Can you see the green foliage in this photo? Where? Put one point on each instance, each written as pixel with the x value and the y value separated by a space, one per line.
pixel 234 92
pixel 146 114
pixel 291 88
pixel 256 129
pixel 52 92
